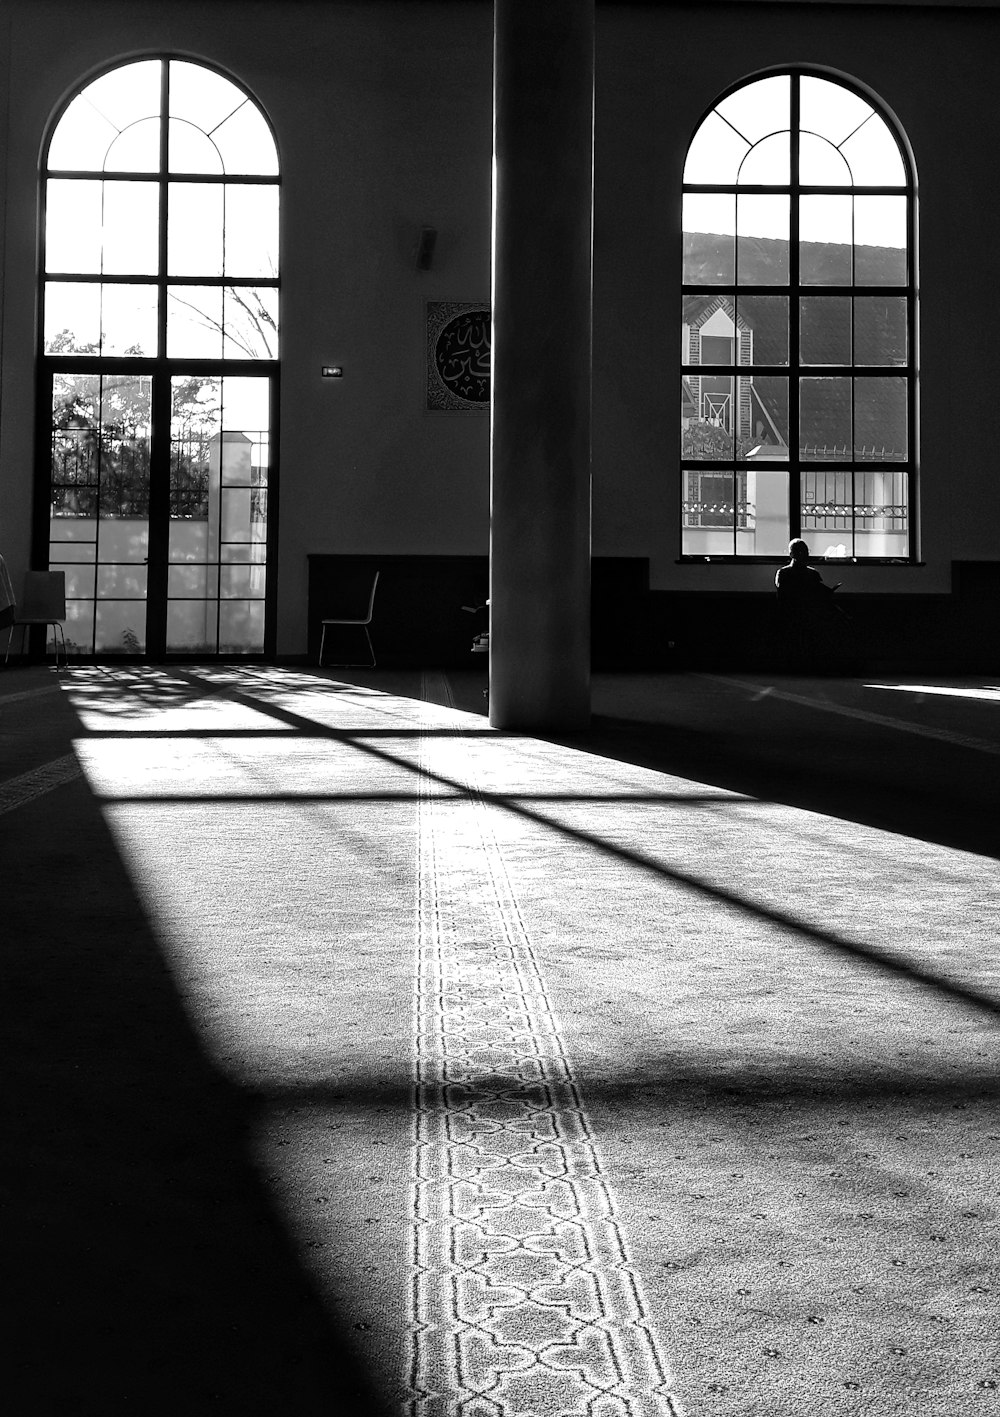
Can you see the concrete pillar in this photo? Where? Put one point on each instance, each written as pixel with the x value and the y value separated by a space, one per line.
pixel 541 358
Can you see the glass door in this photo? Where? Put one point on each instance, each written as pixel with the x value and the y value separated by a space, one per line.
pixel 99 507
pixel 158 510
pixel 217 540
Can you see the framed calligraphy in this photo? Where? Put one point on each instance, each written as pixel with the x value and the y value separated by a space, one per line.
pixel 459 335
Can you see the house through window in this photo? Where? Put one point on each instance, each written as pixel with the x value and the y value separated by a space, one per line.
pixel 797 352
pixel 159 362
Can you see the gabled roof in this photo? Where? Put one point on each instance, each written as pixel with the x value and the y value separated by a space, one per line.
pixel 879 326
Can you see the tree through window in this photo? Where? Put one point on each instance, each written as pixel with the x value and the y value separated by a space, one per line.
pixel 160 346
pixel 797 384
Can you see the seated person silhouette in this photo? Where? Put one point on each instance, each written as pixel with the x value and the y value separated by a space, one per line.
pixel 805 603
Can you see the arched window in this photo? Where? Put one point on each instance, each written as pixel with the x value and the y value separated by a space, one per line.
pixel 159 360
pixel 798 363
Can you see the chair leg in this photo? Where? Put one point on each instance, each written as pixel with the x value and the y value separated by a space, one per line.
pixel 371 649
pixel 322 642
pixel 56 626
pixel 10 631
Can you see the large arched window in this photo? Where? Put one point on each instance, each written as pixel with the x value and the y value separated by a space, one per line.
pixel 159 358
pixel 798 364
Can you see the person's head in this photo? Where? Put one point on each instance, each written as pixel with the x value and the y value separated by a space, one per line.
pixel 798 550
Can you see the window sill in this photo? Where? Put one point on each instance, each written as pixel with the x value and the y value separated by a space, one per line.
pixel 780 560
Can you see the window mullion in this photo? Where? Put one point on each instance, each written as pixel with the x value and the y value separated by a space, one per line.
pixel 161 337
pixel 794 351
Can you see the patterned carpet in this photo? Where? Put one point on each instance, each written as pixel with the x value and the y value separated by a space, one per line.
pixel 369 1061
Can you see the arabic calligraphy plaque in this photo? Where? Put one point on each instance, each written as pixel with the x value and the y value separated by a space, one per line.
pixel 459 335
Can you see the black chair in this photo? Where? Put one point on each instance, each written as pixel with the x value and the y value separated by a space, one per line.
pixel 362 621
pixel 43 603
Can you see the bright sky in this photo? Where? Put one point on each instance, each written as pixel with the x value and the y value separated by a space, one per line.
pixel 111 227
pixel 843 142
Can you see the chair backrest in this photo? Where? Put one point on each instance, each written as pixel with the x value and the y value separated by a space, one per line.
pixel 371 598
pixel 6 592
pixel 44 596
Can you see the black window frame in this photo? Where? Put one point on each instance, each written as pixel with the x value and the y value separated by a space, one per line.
pixel 795 370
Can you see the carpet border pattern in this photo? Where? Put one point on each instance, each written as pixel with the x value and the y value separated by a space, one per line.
pixel 524 1299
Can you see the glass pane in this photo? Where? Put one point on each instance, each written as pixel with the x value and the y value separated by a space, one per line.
pixel 765 317
pixel 715 153
pixel 824 330
pixel 246 406
pixel 825 418
pixel 128 320
pixel 251 322
pixel 191 150
pixel 880 240
pixel 79 626
pixel 236 469
pixel 241 552
pixel 131 228
pixel 236 506
pixel 763 418
pixel 759 108
pixel 219 454
pixel 122 540
pixel 74 469
pixel 120 627
pixel 201 96
pixel 820 164
pixel 193 582
pixel 192 626
pixel 829 109
pixel 827 507
pixel 768 161
pixel 81 140
pixel 80 579
pixel 881 513
pixel 762 240
pixel 880 432
pixel 195 427
pixel 72 318
pixel 242 581
pixel 825 236
pixel 195 229
pixel 714 500
pixel 241 627
pixel 114 122
pixel 880 329
pixel 127 93
pixel 251 231
pixel 121 582
pixel 874 156
pixel 767 511
pixel 126 413
pixel 709 329
pixel 194 322
pixel 709 239
pixel 246 143
pixel 136 149
pixel 73 226
pixel 707 417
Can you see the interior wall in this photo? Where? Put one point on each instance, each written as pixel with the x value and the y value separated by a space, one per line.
pixel 383 116
pixel 660 69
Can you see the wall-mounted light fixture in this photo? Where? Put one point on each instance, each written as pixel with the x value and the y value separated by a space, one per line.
pixel 425 247
pixel 333 371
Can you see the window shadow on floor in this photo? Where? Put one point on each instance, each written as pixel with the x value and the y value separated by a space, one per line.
pixel 146 1268
pixel 893 782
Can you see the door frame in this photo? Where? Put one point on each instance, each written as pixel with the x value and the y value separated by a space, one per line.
pixel 161 372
